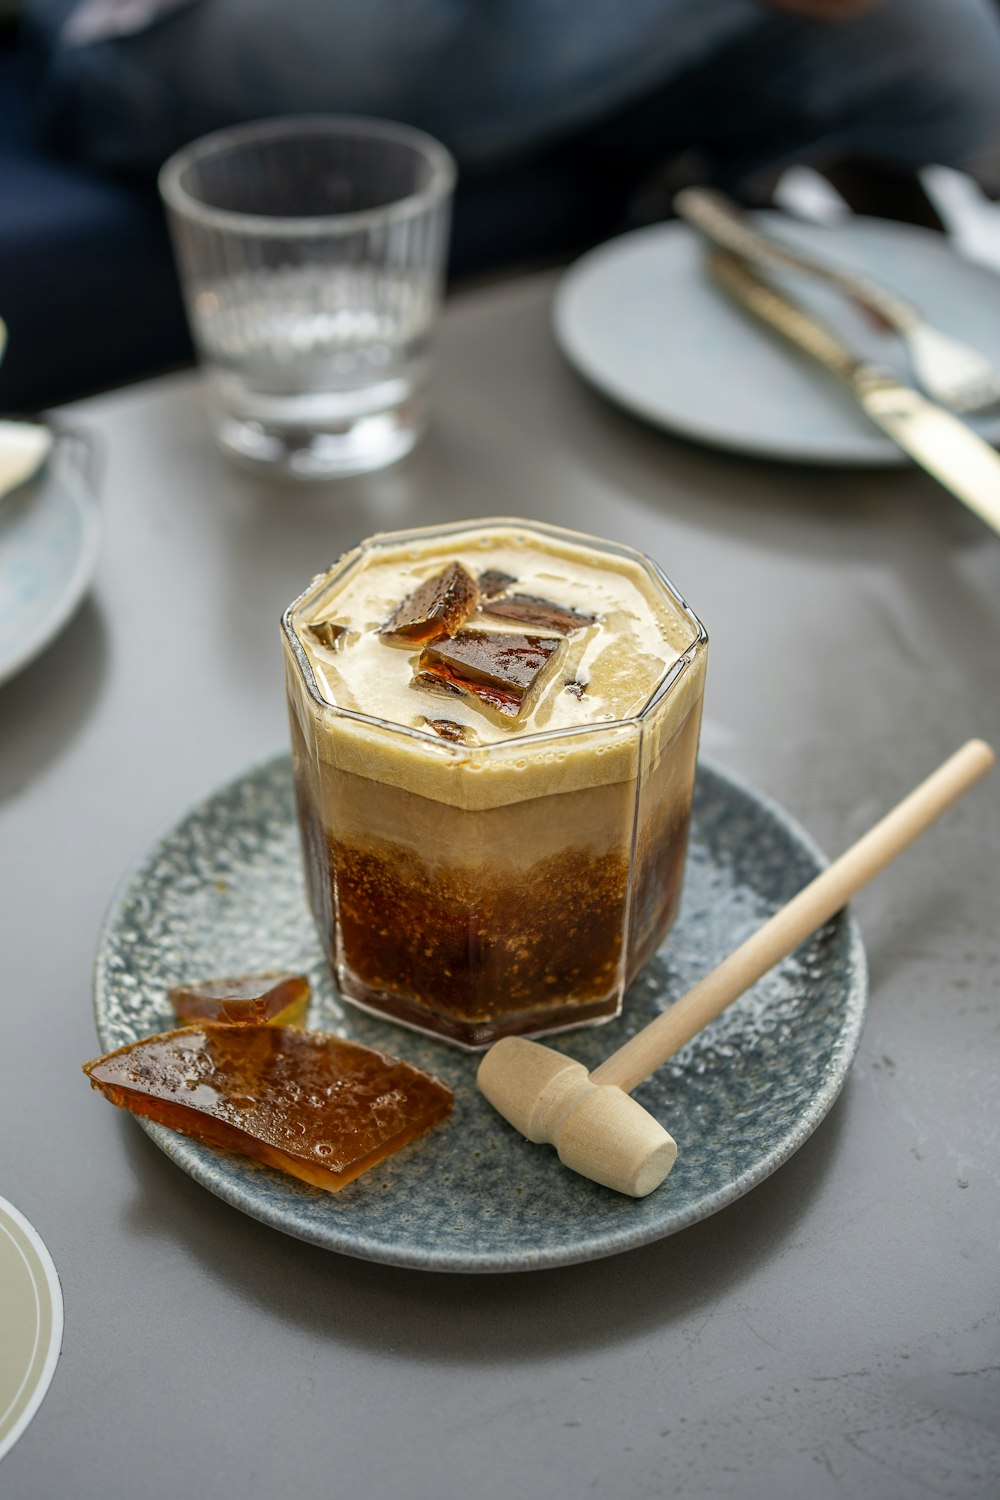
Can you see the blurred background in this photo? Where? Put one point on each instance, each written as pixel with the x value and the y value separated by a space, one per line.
pixel 569 123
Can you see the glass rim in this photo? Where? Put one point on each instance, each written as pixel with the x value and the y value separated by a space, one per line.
pixel 444 171
pixel 494 748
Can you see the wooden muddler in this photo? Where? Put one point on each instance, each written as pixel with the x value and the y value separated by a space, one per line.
pixel 595 1126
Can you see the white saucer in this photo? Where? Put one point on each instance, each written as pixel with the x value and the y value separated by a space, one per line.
pixel 639 318
pixel 49 535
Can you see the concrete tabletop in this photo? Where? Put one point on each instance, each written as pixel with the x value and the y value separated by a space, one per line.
pixel 834 1332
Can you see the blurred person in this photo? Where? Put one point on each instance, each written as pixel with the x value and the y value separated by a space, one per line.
pixel 572 120
pixel 753 84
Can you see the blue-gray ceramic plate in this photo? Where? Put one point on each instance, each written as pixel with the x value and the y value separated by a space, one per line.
pixel 640 319
pixel 49 538
pixel 222 893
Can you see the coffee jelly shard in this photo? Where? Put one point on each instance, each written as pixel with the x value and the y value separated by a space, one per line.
pixel 449 729
pixel 277 998
pixel 328 633
pixel 575 686
pixel 313 1105
pixel 539 614
pixel 500 668
pixel 437 608
pixel 493 582
pixel 429 682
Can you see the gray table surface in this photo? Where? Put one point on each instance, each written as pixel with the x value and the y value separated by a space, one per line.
pixel 834 1332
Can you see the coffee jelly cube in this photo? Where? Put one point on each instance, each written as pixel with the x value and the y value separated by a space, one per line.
pixel 499 667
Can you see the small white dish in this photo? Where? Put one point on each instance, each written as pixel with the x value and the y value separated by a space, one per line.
pixel 31 1316
pixel 640 319
pixel 49 540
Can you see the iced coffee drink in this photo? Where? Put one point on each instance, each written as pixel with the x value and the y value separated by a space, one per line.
pixel 494 732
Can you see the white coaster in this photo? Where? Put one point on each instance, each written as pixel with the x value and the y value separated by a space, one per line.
pixel 31 1317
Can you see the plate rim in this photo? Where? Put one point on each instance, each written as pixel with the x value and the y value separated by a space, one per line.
pixel 882 453
pixel 75 486
pixel 183 1151
pixel 53 1288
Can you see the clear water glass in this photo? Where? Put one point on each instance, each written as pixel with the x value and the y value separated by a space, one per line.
pixel 312 254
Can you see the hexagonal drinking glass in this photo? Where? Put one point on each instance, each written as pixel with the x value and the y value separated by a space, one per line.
pixel 507 888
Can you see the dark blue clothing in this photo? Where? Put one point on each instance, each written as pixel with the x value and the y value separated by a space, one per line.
pixel 910 81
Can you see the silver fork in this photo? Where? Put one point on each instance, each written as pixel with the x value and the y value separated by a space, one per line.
pixel 950 372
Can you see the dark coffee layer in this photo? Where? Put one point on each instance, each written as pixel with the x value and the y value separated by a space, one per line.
pixel 482 943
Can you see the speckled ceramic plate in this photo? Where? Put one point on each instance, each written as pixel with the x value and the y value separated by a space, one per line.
pixel 223 893
pixel 49 539
pixel 641 320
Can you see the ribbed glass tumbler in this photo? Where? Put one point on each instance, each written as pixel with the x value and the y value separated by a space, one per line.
pixel 312 254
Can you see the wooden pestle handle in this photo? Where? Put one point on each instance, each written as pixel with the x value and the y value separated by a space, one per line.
pixel 815 904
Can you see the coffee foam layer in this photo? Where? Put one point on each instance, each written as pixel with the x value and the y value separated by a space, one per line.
pixel 562 741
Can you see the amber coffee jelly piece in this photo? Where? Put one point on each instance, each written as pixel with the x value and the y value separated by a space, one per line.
pixel 538 614
pixel 501 669
pixel 329 633
pixel 435 608
pixel 280 999
pixel 318 1107
pixel 494 816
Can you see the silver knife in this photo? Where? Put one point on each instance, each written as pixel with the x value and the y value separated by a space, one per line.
pixel 956 456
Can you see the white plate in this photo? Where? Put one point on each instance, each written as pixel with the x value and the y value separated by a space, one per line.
pixel 640 319
pixel 49 535
pixel 31 1316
